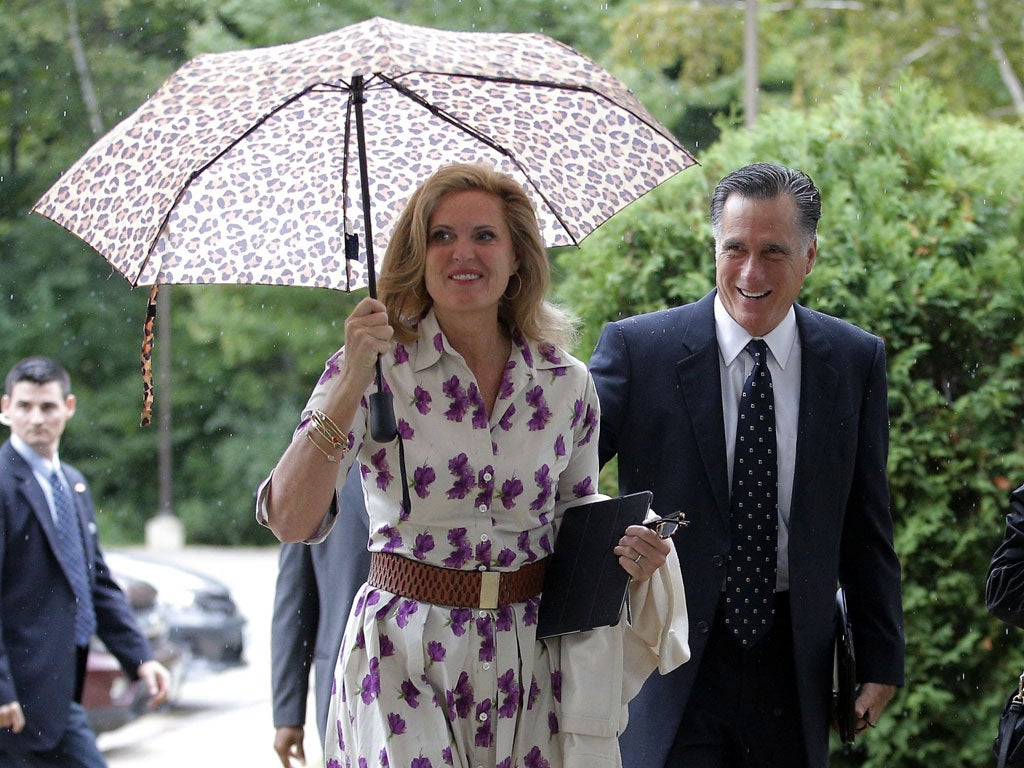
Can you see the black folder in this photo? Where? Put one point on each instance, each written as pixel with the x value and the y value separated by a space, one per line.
pixel 585 587
pixel 844 688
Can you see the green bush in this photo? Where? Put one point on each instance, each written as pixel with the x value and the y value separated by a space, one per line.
pixel 920 242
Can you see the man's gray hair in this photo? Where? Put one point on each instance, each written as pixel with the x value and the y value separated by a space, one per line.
pixel 765 181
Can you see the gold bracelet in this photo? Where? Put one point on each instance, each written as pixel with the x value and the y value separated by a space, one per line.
pixel 330 457
pixel 325 425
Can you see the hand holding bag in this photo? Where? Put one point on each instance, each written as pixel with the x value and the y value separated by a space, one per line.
pixel 1009 744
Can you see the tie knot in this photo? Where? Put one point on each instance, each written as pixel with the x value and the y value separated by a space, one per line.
pixel 757 349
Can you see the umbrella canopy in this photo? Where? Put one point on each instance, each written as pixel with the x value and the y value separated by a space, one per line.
pixel 258 166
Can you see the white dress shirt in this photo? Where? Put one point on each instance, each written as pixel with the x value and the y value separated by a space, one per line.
pixel 784 366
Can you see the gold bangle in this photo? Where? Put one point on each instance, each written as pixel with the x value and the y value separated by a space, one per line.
pixel 330 457
pixel 325 425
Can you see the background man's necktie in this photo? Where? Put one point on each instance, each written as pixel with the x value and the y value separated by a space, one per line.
pixel 750 577
pixel 72 554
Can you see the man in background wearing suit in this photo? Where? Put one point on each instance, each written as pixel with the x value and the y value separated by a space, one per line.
pixel 55 587
pixel 315 588
pixel 813 505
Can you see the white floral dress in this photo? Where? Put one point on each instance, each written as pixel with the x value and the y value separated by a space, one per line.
pixel 424 686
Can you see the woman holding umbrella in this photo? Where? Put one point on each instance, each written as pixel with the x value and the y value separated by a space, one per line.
pixel 440 664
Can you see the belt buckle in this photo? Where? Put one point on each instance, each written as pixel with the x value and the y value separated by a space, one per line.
pixel 489 584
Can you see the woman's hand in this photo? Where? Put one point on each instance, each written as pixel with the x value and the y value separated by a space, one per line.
pixel 367 335
pixel 641 552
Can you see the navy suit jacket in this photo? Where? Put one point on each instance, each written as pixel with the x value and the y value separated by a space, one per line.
pixel 658 379
pixel 38 659
pixel 316 584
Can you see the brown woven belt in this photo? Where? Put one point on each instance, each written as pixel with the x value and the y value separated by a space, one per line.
pixel 458 589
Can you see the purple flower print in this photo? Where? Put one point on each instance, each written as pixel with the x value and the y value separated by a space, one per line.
pixel 405 430
pixel 556 684
pixel 460 617
pixel 394 538
pixel 422 478
pixel 387 648
pixel 460 698
pixel 401 353
pixel 590 421
pixel 459 400
pixel 332 763
pixel 382 758
pixel 422 400
pixel 485 482
pixel 361 762
pixel 530 612
pixel 480 411
pixel 485 630
pixel 506 388
pixel 541 412
pixel 341 738
pixel 410 694
pixel 332 368
pixel 424 544
pixel 542 477
pixel 534 759
pixel 584 487
pixel 553 723
pixel 483 732
pixel 506 763
pixel 510 702
pixel 577 412
pixel 421 762
pixel 396 724
pixel 435 651
pixel 405 610
pixel 379 462
pixel 560 446
pixel 550 353
pixel 505 422
pixel 523 542
pixel 506 557
pixel 461 552
pixel 503 621
pixel 483 553
pixel 371 683
pixel 545 543
pixel 385 609
pixel 439 343
pixel 459 467
pixel 531 699
pixel 446 755
pixel 511 489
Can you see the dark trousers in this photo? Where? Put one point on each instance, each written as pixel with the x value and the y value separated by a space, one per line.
pixel 743 710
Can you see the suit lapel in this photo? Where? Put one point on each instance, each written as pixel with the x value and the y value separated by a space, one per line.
pixel 701 389
pixel 818 383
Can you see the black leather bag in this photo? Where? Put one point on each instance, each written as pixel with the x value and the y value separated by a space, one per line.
pixel 1009 744
pixel 844 687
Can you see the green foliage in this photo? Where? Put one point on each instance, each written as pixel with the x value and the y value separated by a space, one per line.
pixel 920 243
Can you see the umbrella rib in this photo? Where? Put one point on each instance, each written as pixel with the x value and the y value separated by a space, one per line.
pixel 438 112
pixel 198 171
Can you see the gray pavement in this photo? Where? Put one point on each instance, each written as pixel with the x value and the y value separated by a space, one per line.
pixel 221 718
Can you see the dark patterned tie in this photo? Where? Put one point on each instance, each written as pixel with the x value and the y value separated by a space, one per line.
pixel 750 578
pixel 72 555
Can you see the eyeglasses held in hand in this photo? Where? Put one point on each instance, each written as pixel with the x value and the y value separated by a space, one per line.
pixel 667 526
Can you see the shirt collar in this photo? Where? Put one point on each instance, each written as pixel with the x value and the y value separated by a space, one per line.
pixel 733 338
pixel 39 464
pixel 432 343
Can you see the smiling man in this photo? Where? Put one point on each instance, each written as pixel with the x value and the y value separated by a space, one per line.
pixel 55 588
pixel 766 423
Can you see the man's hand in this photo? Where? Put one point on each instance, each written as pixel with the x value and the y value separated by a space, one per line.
pixel 872 699
pixel 288 745
pixel 157 680
pixel 12 717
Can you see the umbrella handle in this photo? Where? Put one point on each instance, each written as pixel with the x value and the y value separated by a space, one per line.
pixel 383 428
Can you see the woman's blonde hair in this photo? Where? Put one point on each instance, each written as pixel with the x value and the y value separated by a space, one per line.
pixel 402 285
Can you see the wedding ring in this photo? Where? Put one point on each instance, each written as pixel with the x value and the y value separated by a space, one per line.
pixel 638 558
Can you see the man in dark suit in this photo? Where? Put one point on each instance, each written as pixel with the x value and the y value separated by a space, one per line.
pixel 315 588
pixel 55 587
pixel 757 689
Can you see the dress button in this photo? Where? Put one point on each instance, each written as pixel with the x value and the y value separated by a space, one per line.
pixel 482 508
pixel 487 476
pixel 483 716
pixel 717 561
pixel 487 665
pixel 483 537
pixel 702 627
